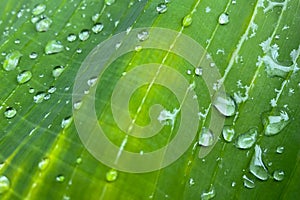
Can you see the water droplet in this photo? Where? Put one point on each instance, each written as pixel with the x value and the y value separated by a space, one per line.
pixel 275 121
pixel 161 8
pixel 4 184
pixel 111 175
pixel 198 71
pixel 97 28
pixel 246 140
pixel 51 89
pixel 228 133
pixel 92 81
pixel 206 137
pixel 33 55
pixel 43 25
pixel 109 2
pixel 11 61
pixel 84 35
pixel 191 182
pixel 60 178
pixel 53 47
pixel 138 48
pixel 24 77
pixel 38 9
pixel 43 164
pixel 211 193
pixel 223 19
pixel 77 105
pixel 66 122
pixel 187 20
pixel 57 71
pixel 257 167
pixel 143 35
pixel 71 37
pixel 31 90
pixel 233 184
pixel 10 112
pixel 279 150
pixel 39 97
pixel 225 105
pixel 278 175
pixel 248 183
pixel 78 160
pixel 95 17
pixel 79 51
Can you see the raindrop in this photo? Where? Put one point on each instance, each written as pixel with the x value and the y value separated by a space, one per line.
pixel 52 89
pixel 143 35
pixel 187 20
pixel 31 90
pixel 211 193
pixel 97 28
pixel 257 167
pixel 279 150
pixel 11 61
pixel 223 19
pixel 111 175
pixel 246 140
pixel 198 71
pixel 84 35
pixel 225 105
pixel 66 122
pixel 161 8
pixel 24 77
pixel 10 112
pixel 43 25
pixel 4 184
pixel 206 137
pixel 38 9
pixel 53 47
pixel 77 105
pixel 60 178
pixel 248 183
pixel 95 17
pixel 275 121
pixel 71 37
pixel 39 97
pixel 57 71
pixel 109 2
pixel 228 133
pixel 33 55
pixel 92 81
pixel 43 164
pixel 278 175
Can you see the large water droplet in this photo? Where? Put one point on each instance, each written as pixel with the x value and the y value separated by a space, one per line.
pixel 246 140
pixel 187 20
pixel 228 133
pixel 24 77
pixel 39 97
pixel 248 183
pixel 4 184
pixel 109 2
pixel 257 167
pixel 43 164
pixel 278 175
pixel 53 46
pixel 11 61
pixel 43 25
pixel 84 35
pixel 211 193
pixel 10 112
pixel 223 19
pixel 111 175
pixel 161 8
pixel 66 122
pixel 57 71
pixel 275 121
pixel 225 105
pixel 97 28
pixel 38 9
pixel 206 137
pixel 143 35
pixel 279 150
pixel 60 178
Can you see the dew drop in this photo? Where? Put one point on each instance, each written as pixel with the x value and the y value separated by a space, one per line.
pixel 225 105
pixel 95 17
pixel 43 25
pixel 187 20
pixel 228 133
pixel 39 97
pixel 71 37
pixel 52 89
pixel 161 8
pixel 31 90
pixel 43 164
pixel 143 35
pixel 24 77
pixel 206 137
pixel 4 184
pixel 10 112
pixel 60 178
pixel 66 122
pixel 38 9
pixel 278 175
pixel 247 139
pixel 57 71
pixel 111 175
pixel 198 71
pixel 84 35
pixel 223 19
pixel 77 105
pixel 275 121
pixel 53 47
pixel 12 60
pixel 138 48
pixel 109 2
pixel 211 193
pixel 33 55
pixel 248 183
pixel 257 167
pixel 78 160
pixel 92 81
pixel 97 28
pixel 280 150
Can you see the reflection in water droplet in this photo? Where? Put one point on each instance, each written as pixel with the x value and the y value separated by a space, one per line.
pixel 10 112
pixel 24 77
pixel 225 105
pixel 97 28
pixel 60 178
pixel 84 35
pixel 111 175
pixel 248 183
pixel 246 140
pixel 12 60
pixel 66 122
pixel 228 133
pixel 206 137
pixel 257 167
pixel 187 20
pixel 43 164
pixel 57 71
pixel 38 9
pixel 43 25
pixel 278 175
pixel 143 35
pixel 53 47
pixel 275 121
pixel 223 19
pixel 211 193
pixel 280 150
pixel 71 37
pixel 161 8
pixel 4 184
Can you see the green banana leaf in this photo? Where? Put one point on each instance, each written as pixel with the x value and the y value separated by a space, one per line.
pixel 238 110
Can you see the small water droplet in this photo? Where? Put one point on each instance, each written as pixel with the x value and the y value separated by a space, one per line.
pixel 39 97
pixel 31 90
pixel 223 19
pixel 161 8
pixel 191 182
pixel 51 89
pixel 233 184
pixel 38 9
pixel 211 193
pixel 143 35
pixel 43 25
pixel 33 55
pixel 96 17
pixel 66 122
pixel 228 133
pixel 78 160
pixel 24 77
pixel 138 48
pixel 111 175
pixel 53 47
pixel 43 164
pixel 12 60
pixel 77 105
pixel 4 184
pixel 92 81
pixel 84 35
pixel 257 167
pixel 225 105
pixel 275 121
pixel 206 137
pixel 248 183
pixel 97 28
pixel 79 51
pixel 109 2
pixel 278 175
pixel 57 71
pixel 280 149
pixel 60 178
pixel 187 20
pixel 198 71
pixel 71 37
pixel 247 139
pixel 10 112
